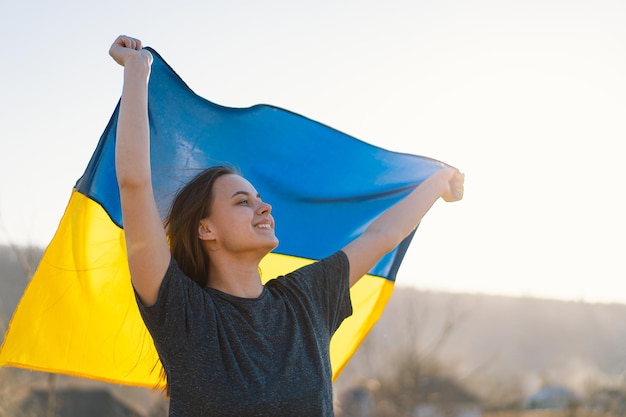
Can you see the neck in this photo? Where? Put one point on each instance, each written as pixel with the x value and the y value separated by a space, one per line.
pixel 238 277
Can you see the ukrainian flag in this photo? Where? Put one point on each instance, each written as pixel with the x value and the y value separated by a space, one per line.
pixel 78 315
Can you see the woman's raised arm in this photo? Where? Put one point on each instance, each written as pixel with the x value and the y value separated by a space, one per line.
pixel 146 243
pixel 395 224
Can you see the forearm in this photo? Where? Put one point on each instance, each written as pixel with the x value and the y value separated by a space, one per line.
pixel 397 222
pixel 400 220
pixel 132 153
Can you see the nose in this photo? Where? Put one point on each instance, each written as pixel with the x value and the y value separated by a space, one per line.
pixel 264 208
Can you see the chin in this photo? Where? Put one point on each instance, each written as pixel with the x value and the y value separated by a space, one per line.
pixel 271 245
pixel 274 245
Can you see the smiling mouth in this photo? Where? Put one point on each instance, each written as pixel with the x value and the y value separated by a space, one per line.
pixel 264 226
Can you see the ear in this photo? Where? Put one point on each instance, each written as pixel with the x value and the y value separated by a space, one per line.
pixel 205 231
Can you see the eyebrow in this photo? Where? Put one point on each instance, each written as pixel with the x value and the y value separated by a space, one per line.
pixel 243 193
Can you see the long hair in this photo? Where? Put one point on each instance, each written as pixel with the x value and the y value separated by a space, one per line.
pixel 191 204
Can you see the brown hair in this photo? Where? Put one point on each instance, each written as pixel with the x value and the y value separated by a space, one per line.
pixel 191 204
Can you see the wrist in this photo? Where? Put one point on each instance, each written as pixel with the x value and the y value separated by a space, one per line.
pixel 439 182
pixel 136 71
pixel 137 63
pixel 444 175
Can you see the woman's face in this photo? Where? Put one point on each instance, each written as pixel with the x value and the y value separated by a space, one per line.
pixel 240 221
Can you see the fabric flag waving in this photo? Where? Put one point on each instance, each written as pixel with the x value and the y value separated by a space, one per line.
pixel 78 315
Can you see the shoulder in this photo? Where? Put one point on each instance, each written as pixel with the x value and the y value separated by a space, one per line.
pixel 324 275
pixel 322 288
pixel 177 292
pixel 336 264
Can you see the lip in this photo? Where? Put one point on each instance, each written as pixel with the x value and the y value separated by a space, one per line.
pixel 264 225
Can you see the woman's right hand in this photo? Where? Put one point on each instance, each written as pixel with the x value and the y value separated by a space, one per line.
pixel 126 47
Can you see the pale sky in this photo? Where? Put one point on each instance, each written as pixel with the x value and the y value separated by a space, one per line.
pixel 527 97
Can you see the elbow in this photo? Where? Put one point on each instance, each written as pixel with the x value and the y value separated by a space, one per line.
pixel 132 172
pixel 132 181
pixel 386 239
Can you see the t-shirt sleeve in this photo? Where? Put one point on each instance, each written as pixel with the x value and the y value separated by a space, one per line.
pixel 179 304
pixel 327 284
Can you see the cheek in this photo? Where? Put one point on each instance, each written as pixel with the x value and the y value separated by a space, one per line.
pixel 237 219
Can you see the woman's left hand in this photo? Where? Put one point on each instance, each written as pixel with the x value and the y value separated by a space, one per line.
pixel 455 189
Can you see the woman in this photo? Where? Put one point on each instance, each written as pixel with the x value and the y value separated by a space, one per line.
pixel 230 345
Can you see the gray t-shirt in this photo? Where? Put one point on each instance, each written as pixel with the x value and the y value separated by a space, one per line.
pixel 267 356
